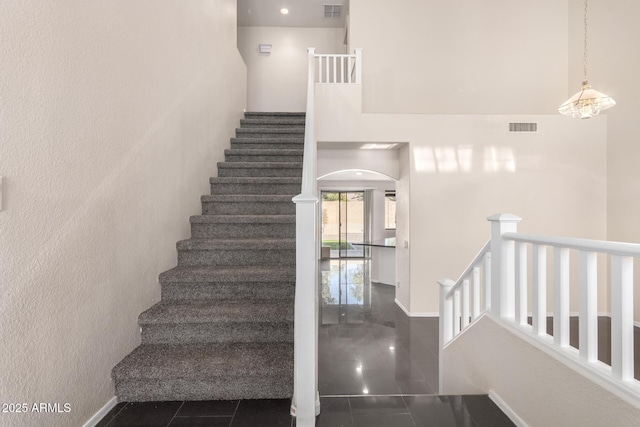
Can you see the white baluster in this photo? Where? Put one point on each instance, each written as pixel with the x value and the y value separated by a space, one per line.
pixel 475 293
pixel 328 76
pixel 456 312
pixel 539 289
pixel 622 317
pixel 358 65
pixel 319 68
pixel 561 296
pixel 487 281
pixel 335 68
pixel 521 284
pixel 465 303
pixel 446 312
pixel 588 325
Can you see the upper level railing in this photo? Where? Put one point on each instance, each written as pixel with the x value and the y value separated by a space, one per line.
pixel 306 403
pixel 343 68
pixel 510 275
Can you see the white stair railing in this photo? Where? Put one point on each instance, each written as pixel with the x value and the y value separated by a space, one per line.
pixel 463 301
pixel 306 403
pixel 506 297
pixel 341 68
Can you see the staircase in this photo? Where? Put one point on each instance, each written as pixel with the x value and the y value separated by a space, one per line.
pixel 224 326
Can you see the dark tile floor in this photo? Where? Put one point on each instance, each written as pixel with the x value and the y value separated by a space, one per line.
pixel 377 367
pixel 367 344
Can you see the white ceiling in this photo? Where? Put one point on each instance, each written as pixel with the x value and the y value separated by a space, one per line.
pixel 302 13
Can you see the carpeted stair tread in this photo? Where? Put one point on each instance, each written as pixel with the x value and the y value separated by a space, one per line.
pixel 275 113
pixel 263 152
pixel 259 274
pixel 262 156
pixel 255 180
pixel 260 165
pixel 293 140
pixel 244 244
pixel 162 313
pixel 248 198
pixel 289 131
pixel 273 121
pixel 243 219
pixel 210 361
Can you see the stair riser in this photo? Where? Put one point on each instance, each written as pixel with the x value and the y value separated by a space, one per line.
pixel 248 257
pixel 217 332
pixel 255 188
pixel 260 172
pixel 275 133
pixel 242 231
pixel 273 124
pixel 261 158
pixel 240 208
pixel 228 292
pixel 270 114
pixel 274 386
pixel 267 145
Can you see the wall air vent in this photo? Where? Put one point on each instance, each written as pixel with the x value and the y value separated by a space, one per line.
pixel 332 10
pixel 523 127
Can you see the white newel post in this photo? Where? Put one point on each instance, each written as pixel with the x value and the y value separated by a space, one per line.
pixel 446 318
pixel 305 323
pixel 306 404
pixel 358 52
pixel 503 265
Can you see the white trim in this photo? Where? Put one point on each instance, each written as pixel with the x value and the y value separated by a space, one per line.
pixel 416 313
pixel 506 409
pixel 98 416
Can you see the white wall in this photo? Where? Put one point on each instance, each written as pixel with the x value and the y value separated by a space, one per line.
pixel 467 56
pixel 540 389
pixel 278 82
pixel 403 229
pixel 112 117
pixel 463 168
pixel 613 69
pixel 335 160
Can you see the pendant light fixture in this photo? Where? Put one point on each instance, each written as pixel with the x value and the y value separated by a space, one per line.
pixel 588 102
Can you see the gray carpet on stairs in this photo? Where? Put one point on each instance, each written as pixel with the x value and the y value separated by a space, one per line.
pixel 224 326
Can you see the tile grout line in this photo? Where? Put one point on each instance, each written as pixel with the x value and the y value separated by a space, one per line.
pixel 408 411
pixel 233 417
pixel 116 414
pixel 174 415
pixel 350 411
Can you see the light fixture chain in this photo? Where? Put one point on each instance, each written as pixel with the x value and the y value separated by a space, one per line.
pixel 586 76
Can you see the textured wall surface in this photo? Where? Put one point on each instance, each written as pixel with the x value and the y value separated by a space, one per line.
pixel 462 57
pixel 112 117
pixel 278 81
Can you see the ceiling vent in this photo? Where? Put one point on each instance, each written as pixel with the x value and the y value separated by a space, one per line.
pixel 332 10
pixel 523 127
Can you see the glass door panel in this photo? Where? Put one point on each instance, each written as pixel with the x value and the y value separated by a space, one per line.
pixel 352 224
pixel 343 223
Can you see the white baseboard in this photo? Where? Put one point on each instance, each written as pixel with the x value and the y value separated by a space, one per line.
pixel 506 409
pixel 416 313
pixel 95 419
